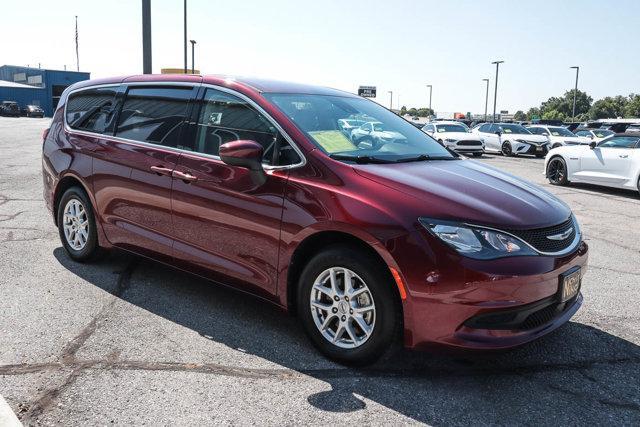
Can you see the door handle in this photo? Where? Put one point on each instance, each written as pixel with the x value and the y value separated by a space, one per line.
pixel 623 156
pixel 185 176
pixel 161 170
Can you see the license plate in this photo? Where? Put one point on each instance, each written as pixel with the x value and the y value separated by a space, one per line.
pixel 570 285
pixel 538 148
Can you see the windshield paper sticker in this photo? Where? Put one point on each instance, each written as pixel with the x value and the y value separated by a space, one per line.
pixel 332 141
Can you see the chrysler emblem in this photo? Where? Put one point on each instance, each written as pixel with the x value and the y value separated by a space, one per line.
pixel 561 236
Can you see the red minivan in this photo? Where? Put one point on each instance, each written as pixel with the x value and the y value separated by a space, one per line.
pixel 321 202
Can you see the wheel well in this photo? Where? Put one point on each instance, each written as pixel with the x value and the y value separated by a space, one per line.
pixel 64 184
pixel 313 245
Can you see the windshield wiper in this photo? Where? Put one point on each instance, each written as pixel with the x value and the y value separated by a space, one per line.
pixel 422 157
pixel 360 159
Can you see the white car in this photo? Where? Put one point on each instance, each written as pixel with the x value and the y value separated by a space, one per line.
pixel 559 136
pixel 596 135
pixel 613 162
pixel 455 136
pixel 511 139
pixel 375 134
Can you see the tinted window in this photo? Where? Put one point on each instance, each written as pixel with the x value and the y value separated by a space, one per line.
pixel 620 142
pixel 224 118
pixel 92 109
pixel 538 131
pixel 485 128
pixel 512 128
pixel 583 133
pixel 153 114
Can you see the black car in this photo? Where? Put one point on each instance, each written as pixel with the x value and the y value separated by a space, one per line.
pixel 9 108
pixel 32 111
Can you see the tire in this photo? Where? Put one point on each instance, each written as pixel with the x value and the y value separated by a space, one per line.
pixel 557 171
pixel 80 248
pixel 384 321
pixel 507 151
pixel 477 154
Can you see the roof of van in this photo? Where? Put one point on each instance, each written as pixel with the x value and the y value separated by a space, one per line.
pixel 256 84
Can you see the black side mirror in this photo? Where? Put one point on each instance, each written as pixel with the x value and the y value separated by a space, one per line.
pixel 593 144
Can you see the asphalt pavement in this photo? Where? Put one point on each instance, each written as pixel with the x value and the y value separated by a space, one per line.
pixel 128 341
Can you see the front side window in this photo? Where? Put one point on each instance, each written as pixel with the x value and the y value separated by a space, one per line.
pixel 91 110
pixel 620 142
pixel 224 118
pixel 385 137
pixel 538 131
pixel 154 114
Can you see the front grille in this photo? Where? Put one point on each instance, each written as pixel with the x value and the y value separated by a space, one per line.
pixel 470 143
pixel 538 238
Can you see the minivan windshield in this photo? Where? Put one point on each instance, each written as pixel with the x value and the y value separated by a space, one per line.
pixel 381 137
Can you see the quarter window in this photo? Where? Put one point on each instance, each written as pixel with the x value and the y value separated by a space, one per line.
pixel 225 118
pixel 154 114
pixel 92 109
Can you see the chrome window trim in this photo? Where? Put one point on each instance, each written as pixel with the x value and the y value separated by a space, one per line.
pixel 266 167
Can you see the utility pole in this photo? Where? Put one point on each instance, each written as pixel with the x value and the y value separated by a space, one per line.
pixel 185 36
pixel 430 93
pixel 486 99
pixel 495 94
pixel 193 61
pixel 575 93
pixel 390 92
pixel 146 37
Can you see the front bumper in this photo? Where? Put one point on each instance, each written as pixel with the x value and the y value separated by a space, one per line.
pixel 531 149
pixel 446 306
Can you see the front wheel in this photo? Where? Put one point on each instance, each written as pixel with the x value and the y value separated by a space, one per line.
pixel 77 225
pixel 507 151
pixel 557 171
pixel 348 305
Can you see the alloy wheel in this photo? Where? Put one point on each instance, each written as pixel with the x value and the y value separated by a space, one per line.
pixel 556 171
pixel 342 307
pixel 506 149
pixel 75 224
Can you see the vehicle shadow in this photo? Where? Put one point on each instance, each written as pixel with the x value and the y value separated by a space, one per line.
pixel 577 375
pixel 630 194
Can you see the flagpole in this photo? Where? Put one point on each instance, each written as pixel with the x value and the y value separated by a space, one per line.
pixel 77 57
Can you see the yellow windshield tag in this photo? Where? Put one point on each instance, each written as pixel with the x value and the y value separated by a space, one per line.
pixel 332 141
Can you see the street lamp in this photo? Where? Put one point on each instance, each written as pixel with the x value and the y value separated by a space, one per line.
pixel 486 99
pixel 575 93
pixel 146 37
pixel 185 36
pixel 193 43
pixel 390 92
pixel 495 94
pixel 430 93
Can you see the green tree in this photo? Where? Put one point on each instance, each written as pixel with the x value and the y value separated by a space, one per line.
pixel 413 112
pixel 564 105
pixel 403 110
pixel 425 112
pixel 533 112
pixel 632 109
pixel 554 115
pixel 608 108
pixel 519 116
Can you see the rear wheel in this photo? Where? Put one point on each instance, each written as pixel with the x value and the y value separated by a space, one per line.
pixel 348 305
pixel 77 226
pixel 507 151
pixel 557 171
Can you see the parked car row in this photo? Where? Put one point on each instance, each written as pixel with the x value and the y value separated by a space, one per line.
pixel 12 109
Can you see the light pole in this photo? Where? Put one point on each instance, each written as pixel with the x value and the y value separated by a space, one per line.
pixel 575 93
pixel 390 92
pixel 193 44
pixel 495 94
pixel 146 36
pixel 185 36
pixel 486 99
pixel 430 93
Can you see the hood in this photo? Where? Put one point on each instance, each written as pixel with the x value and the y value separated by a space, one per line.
pixel 532 138
pixel 470 191
pixel 577 139
pixel 460 136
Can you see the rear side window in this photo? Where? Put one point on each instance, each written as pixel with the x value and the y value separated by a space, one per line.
pixel 224 118
pixel 154 114
pixel 91 109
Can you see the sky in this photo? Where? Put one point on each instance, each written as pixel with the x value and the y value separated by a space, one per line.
pixel 395 45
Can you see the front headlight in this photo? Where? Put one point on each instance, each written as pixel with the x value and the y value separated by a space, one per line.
pixel 450 140
pixel 476 242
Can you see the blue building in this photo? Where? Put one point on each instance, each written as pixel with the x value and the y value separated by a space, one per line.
pixel 35 86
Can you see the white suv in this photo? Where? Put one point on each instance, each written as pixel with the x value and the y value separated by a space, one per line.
pixel 511 139
pixel 558 136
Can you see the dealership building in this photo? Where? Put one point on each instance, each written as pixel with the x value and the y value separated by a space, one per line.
pixel 36 86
